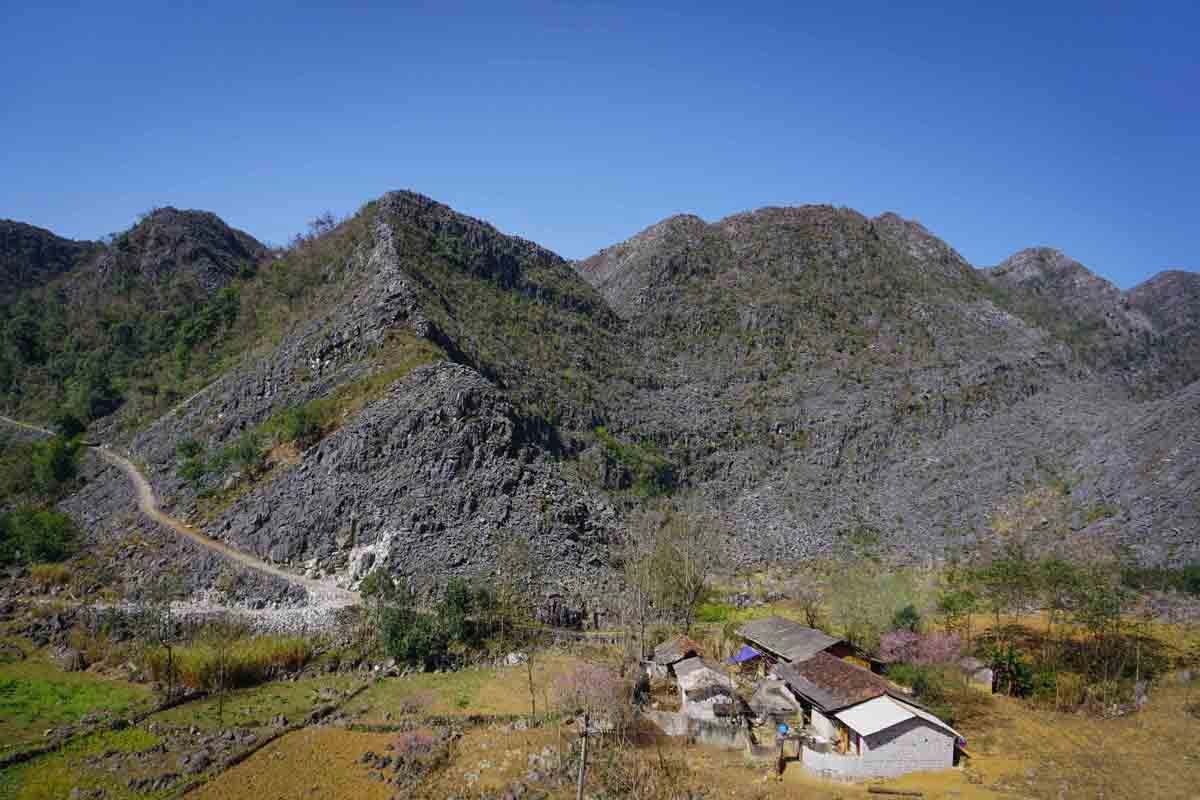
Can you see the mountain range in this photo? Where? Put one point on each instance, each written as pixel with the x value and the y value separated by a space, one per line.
pixel 411 388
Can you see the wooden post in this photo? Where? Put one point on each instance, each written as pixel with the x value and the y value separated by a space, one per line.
pixel 587 722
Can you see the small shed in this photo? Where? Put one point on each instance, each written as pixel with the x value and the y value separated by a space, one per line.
pixel 773 700
pixel 978 674
pixel 701 687
pixel 669 653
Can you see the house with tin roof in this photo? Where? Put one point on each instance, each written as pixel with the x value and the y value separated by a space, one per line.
pixel 861 726
pixel 780 640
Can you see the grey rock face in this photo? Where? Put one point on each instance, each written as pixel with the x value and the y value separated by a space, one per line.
pixel 817 374
pixel 168 242
pixel 31 256
pixel 426 482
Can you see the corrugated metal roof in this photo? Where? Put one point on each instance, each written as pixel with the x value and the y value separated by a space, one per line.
pixel 880 713
pixel 926 715
pixel 876 714
pixel 789 639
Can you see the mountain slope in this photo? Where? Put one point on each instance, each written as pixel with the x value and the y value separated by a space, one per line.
pixel 1134 336
pixel 413 388
pixel 32 256
pixel 426 466
pixel 125 320
pixel 820 376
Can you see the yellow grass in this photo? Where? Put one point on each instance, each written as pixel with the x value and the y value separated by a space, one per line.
pixel 48 575
pixel 315 763
pixel 487 691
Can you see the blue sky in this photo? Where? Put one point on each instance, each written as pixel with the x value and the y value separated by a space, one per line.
pixel 577 124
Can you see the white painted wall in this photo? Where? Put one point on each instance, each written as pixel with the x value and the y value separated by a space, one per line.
pixel 825 727
pixel 911 746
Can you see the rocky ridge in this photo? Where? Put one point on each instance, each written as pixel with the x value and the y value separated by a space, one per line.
pixel 821 376
pixel 32 256
pixel 812 375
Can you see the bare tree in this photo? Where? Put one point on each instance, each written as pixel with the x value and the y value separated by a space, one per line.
pixel 158 625
pixel 641 578
pixel 811 600
pixel 688 548
pixel 520 586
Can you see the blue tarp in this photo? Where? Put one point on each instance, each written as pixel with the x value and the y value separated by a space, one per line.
pixel 747 653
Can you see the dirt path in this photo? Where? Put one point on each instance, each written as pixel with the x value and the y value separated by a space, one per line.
pixel 320 592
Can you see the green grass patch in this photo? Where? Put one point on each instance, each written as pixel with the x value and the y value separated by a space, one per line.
pixel 36 695
pixel 714 612
pixel 253 708
pixel 53 776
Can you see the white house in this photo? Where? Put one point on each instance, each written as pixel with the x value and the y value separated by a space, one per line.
pixel 862 727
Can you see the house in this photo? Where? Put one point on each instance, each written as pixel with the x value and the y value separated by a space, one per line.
pixel 670 653
pixel 781 640
pixel 861 726
pixel 702 687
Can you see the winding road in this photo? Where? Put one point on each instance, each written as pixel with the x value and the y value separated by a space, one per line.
pixel 324 593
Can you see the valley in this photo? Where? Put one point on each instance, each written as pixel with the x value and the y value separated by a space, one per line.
pixel 404 509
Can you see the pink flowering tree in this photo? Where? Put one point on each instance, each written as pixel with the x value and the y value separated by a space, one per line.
pixel 914 648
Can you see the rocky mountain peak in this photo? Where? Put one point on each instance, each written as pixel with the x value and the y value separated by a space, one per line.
pixel 1046 266
pixel 31 256
pixel 168 241
pixel 1171 299
pixel 915 239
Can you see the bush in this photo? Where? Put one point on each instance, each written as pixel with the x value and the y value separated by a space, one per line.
pixel 415 639
pixel 907 619
pixel 29 536
pixel 301 425
pixel 1014 676
pixel 248 661
pixel 48 575
pixel 68 425
pixel 55 464
pixel 651 473
pixel 933 686
pixel 714 612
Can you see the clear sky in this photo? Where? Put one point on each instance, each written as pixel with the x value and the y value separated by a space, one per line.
pixel 1073 125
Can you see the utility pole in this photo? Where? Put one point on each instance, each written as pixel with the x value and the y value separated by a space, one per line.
pixel 587 723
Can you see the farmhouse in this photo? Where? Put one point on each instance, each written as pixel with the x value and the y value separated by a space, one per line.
pixel 778 640
pixel 862 727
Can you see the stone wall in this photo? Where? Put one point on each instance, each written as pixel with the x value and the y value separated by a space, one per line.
pixel 911 746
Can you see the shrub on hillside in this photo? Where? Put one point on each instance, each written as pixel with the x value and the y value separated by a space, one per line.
pixel 29 536
pixel 248 661
pixel 46 576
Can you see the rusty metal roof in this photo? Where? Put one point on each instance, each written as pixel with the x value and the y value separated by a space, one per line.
pixel 831 683
pixel 675 649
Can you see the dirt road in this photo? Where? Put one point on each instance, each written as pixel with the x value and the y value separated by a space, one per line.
pixel 320 592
